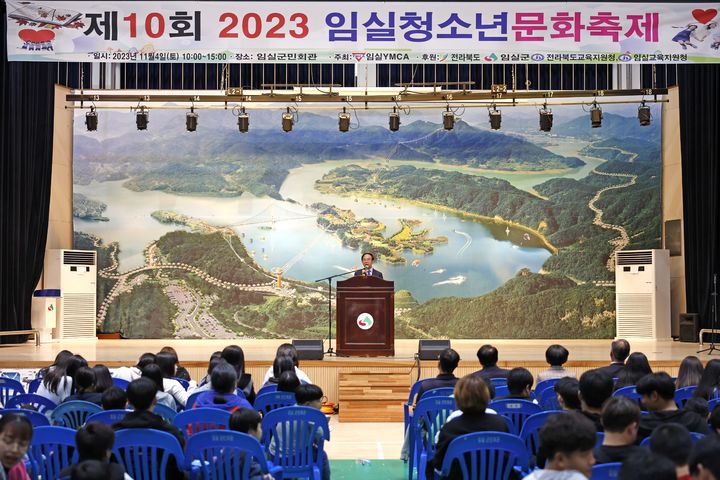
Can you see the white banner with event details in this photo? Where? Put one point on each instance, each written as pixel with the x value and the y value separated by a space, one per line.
pixel 359 32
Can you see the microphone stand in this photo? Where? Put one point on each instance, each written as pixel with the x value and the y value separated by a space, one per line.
pixel 330 350
pixel 713 324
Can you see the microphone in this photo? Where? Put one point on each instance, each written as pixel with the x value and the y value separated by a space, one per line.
pixel 365 271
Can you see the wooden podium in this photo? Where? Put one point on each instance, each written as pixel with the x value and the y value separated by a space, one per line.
pixel 366 317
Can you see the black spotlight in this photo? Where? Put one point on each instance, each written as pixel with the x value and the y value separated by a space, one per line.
pixel 394 120
pixel 142 118
pixel 595 116
pixel 287 121
pixel 495 118
pixel 643 115
pixel 191 120
pixel 448 119
pixel 344 121
pixel 546 119
pixel 91 120
pixel 243 121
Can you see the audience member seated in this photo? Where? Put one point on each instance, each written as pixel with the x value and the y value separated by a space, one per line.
pixel 288 350
pixel 690 372
pixel 567 390
pixel 472 397
pixel 57 384
pixel 154 373
pixel 114 398
pixel 673 442
pixel 133 373
pixel 645 465
pixel 61 357
pixel 288 381
pixel 699 406
pixel 447 363
pixel 709 381
pixel 224 385
pixel 714 422
pixel 619 351
pixel 519 383
pixel 167 363
pixel 84 382
pixel 620 419
pixel 280 364
pixel 103 379
pixel 247 420
pixel 16 434
pixel 235 356
pixel 567 442
pixel 658 396
pixel 595 387
pixel 95 441
pixel 636 367
pixel 204 384
pixel 180 371
pixel 705 459
pixel 488 357
pixel 555 356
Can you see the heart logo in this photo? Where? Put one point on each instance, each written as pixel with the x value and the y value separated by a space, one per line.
pixel 704 16
pixel 36 36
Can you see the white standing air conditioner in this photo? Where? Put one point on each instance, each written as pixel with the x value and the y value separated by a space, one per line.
pixel 74 273
pixel 642 294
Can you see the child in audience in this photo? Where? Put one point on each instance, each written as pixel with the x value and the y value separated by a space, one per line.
pixel 16 433
pixel 636 367
pixel 673 442
pixel 57 384
pixel 84 382
pixel 133 373
pixel 168 362
pixel 103 379
pixel 555 356
pixel 620 419
pixel 235 356
pixel 153 372
pixel 595 387
pixel 288 350
pixel 180 371
pixel 705 459
pixel 690 372
pixel 567 442
pixel 61 357
pixel 247 420
pixel 95 441
pixel 519 383
pixel 288 382
pixel 567 390
pixel 699 406
pixel 114 398
pixel 709 381
pixel 94 470
pixel 280 365
pixel 214 358
pixel 224 382
pixel 645 465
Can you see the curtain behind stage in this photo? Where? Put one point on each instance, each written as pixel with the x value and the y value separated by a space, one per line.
pixel 26 138
pixel 700 144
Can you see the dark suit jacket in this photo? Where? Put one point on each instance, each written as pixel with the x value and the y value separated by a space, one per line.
pixel 444 380
pixel 375 273
pixel 613 369
pixel 492 372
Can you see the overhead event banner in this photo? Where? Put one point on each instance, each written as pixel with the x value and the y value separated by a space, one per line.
pixel 360 32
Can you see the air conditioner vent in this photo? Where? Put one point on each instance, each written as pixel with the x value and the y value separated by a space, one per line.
pixel 76 257
pixel 634 258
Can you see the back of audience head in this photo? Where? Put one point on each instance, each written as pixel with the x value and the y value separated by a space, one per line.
pixel 699 406
pixel 84 381
pixel 673 442
pixel 223 378
pixel 288 350
pixel 288 381
pixel 114 398
pixel 636 367
pixel 646 465
pixel 657 391
pixel 145 360
pixel 471 394
pixel 171 350
pixel 520 381
pixel 567 389
pixel 213 363
pixel 621 415
pixel 141 393
pixel 154 373
pixel 619 350
pixel 567 442
pixel 488 356
pixel 448 360
pixel 595 387
pixel 709 380
pixel 704 460
pixel 167 363
pixel 690 372
pixel 246 420
pixel 309 395
pixel 282 364
pixel 235 356
pixel 556 355
pixel 103 379
pixel 91 470
pixel 68 368
pixel 95 441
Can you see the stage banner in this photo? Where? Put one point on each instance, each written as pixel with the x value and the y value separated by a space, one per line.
pixel 367 32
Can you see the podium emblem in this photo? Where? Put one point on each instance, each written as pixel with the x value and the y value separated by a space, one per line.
pixel 365 321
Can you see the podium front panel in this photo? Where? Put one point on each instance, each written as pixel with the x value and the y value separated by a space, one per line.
pixel 365 317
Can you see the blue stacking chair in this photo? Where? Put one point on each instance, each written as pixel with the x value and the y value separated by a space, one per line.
pixel 516 410
pixel 428 418
pixel 548 399
pixel 164 411
pixel 682 395
pixel 530 431
pixel 192 399
pixel 37 419
pixel 73 414
pixel 696 437
pixel 9 388
pixel 52 450
pixel 108 417
pixel 297 435
pixel 600 439
pixel 630 393
pixel 498 382
pixel 146 453
pixel 190 422
pixel 541 386
pixel 120 383
pixel 714 402
pixel 501 391
pixel 438 392
pixel 34 385
pixel 485 455
pixel 270 401
pixel 184 383
pixel 31 401
pixel 411 401
pixel 606 471
pixel 270 387
pixel 232 454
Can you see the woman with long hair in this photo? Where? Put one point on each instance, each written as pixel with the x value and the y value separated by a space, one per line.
pixel 168 363
pixel 235 356
pixel 708 386
pixel 690 372
pixel 103 379
pixel 224 385
pixel 636 367
pixel 154 373
pixel 57 384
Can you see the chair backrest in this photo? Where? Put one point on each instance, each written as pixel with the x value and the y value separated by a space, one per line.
pixel 37 419
pixel 108 417
pixel 146 454
pixel 530 431
pixel 606 471
pixel 502 391
pixel 31 401
pixel 120 383
pixel 550 382
pixel 192 399
pixel 164 411
pixel 9 388
pixel 74 413
pixel 682 395
pixel 232 454
pixel 34 385
pixel 498 382
pixel 52 450
pixel 696 437
pixel 712 403
pixel 294 438
pixel 270 401
pixel 414 390
pixel 270 387
pixel 190 422
pixel 428 418
pixel 600 439
pixel 515 410
pixel 548 399
pixel 486 455
pixel 184 383
pixel 630 393
pixel 438 392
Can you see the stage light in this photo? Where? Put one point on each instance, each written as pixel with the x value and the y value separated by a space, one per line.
pixel 243 121
pixel 91 120
pixel 448 119
pixel 394 120
pixel 142 118
pixel 287 121
pixel 643 115
pixel 546 119
pixel 595 116
pixel 344 121
pixel 191 120
pixel 495 118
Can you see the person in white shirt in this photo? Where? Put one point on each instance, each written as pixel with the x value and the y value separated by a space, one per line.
pixel 57 384
pixel 133 373
pixel 167 362
pixel 288 350
pixel 154 373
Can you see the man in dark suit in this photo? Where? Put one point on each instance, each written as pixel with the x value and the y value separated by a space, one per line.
pixel 368 270
pixel 619 351
pixel 447 363
pixel 488 356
